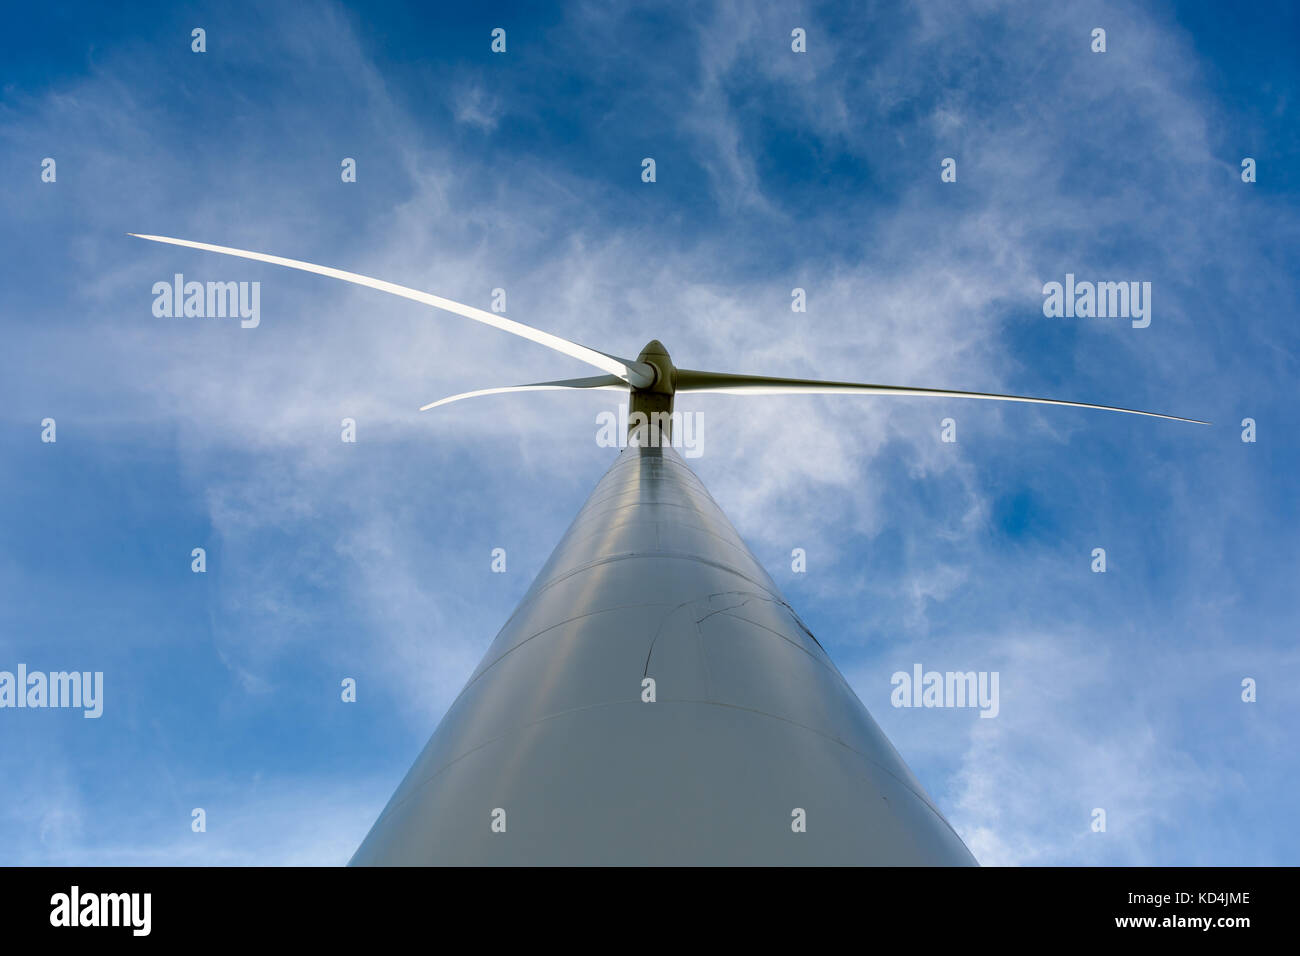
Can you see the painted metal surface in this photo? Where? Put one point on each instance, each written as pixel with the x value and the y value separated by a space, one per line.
pixel 751 721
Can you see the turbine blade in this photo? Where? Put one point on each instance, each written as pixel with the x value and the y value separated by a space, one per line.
pixel 689 380
pixel 636 373
pixel 596 382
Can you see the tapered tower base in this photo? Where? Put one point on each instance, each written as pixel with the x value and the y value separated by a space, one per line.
pixel 754 750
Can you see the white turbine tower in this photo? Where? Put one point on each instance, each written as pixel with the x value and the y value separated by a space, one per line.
pixel 654 699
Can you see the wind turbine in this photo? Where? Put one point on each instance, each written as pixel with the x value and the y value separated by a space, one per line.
pixel 654 699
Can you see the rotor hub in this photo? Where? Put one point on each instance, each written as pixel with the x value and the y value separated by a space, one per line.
pixel 657 397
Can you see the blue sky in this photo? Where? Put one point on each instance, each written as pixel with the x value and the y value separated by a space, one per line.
pixel 775 170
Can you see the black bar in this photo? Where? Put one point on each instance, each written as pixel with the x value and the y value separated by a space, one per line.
pixel 470 907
